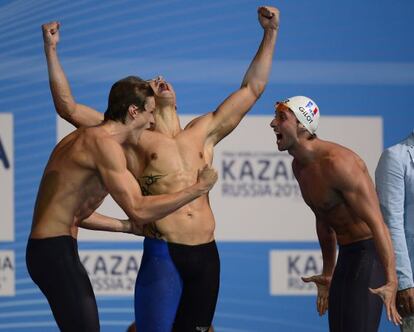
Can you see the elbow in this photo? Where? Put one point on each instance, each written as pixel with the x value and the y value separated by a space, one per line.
pixel 65 106
pixel 64 103
pixel 66 112
pixel 78 222
pixel 142 217
pixel 256 88
pixel 63 113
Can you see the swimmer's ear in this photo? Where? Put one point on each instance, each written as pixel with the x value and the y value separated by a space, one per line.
pixel 133 111
pixel 153 85
pixel 301 127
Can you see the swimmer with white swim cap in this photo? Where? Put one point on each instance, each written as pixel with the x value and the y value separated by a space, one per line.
pixel 335 184
pixel 180 252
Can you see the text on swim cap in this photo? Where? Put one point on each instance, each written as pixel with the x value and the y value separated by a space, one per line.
pixel 308 115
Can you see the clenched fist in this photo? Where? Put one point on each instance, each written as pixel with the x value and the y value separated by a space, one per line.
pixel 268 17
pixel 207 177
pixel 51 33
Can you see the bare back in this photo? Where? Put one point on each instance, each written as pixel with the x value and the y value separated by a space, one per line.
pixel 71 188
pixel 167 165
pixel 317 181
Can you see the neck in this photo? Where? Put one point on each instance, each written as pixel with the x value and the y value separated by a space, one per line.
pixel 305 150
pixel 122 133
pixel 166 120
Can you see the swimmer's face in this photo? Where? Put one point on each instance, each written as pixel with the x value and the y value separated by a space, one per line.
pixel 145 117
pixel 285 126
pixel 163 91
pixel 149 109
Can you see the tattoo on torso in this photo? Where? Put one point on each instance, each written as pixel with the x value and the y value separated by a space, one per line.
pixel 147 181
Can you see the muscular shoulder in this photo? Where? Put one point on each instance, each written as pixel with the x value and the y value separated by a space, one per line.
pixel 92 137
pixel 103 149
pixel 200 121
pixel 343 166
pixel 197 129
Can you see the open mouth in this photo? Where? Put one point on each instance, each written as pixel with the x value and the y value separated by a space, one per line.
pixel 163 87
pixel 278 137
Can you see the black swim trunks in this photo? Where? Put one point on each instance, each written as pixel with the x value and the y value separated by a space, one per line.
pixel 352 307
pixel 54 265
pixel 199 267
pixel 177 287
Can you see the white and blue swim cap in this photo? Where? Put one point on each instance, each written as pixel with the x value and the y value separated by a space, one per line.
pixel 305 110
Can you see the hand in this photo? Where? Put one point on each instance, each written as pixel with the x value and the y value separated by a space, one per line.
pixel 268 17
pixel 388 293
pixel 405 302
pixel 322 283
pixel 141 230
pixel 135 228
pixel 206 178
pixel 51 33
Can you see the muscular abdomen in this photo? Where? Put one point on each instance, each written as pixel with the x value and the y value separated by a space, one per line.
pixel 348 227
pixel 191 224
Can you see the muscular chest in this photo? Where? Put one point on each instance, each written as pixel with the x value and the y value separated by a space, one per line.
pixel 317 192
pixel 170 164
pixel 169 155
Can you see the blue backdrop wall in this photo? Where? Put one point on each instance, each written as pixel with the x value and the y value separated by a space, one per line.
pixel 354 58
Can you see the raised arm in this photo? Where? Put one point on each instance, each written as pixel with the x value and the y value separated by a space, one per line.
pixel 354 183
pixel 124 188
pixel 234 108
pixel 66 106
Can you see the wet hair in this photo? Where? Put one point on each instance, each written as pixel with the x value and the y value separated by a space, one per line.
pixel 130 90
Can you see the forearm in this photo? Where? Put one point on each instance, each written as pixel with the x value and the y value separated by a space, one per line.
pixel 329 258
pixel 125 190
pixel 59 85
pixel 258 72
pixel 385 250
pixel 99 222
pixel 327 242
pixel 152 208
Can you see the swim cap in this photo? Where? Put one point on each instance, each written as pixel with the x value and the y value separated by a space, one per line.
pixel 305 110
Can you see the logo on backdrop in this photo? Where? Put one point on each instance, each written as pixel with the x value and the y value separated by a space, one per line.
pixel 112 272
pixel 253 174
pixel 288 266
pixel 256 181
pixel 7 273
pixel 6 178
pixel 3 156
